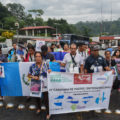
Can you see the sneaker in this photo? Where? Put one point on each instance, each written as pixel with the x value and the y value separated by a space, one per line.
pixel 21 106
pixel 107 111
pixel 9 105
pixel 38 111
pixel 117 111
pixel 98 111
pixel 43 107
pixel 32 107
pixel 48 117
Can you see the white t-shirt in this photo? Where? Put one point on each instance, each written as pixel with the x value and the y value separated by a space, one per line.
pixel 83 54
pixel 68 61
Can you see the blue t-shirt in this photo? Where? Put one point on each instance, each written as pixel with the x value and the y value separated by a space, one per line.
pixel 20 52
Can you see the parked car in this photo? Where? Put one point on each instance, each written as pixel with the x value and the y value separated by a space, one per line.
pixel 5 48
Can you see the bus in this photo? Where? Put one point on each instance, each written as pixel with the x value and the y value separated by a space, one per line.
pixel 72 38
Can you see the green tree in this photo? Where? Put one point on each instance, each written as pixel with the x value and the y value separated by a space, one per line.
pixel 9 22
pixel 37 12
pixel 3 12
pixel 29 21
pixel 17 10
pixel 86 31
pixel 39 22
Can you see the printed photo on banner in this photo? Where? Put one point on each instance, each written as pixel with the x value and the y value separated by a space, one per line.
pixel 2 73
pixel 115 71
pixel 35 88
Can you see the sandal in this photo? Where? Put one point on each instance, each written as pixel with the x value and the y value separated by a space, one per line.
pixel 38 111
pixel 48 117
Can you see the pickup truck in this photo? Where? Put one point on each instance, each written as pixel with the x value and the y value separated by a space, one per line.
pixel 4 48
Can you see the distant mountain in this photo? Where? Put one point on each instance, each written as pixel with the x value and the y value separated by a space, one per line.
pixel 96 28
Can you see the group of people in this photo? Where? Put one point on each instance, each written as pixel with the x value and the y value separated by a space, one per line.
pixel 78 59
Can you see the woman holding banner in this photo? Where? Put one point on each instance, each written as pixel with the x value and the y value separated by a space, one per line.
pixel 37 71
pixel 116 57
pixel 2 59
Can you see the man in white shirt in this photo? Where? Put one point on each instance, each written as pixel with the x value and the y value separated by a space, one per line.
pixel 72 61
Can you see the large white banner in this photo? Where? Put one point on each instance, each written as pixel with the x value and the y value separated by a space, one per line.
pixel 79 92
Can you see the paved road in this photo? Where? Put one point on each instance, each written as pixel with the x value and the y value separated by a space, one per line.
pixel 26 114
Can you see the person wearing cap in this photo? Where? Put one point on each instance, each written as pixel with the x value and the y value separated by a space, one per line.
pixel 95 63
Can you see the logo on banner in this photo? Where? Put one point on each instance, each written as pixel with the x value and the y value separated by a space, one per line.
pixel 26 80
pixel 102 80
pixel 82 78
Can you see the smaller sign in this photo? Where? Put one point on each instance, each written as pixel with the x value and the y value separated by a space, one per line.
pixel 39 44
pixel 54 66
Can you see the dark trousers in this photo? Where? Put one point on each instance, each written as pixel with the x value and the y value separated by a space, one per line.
pixel 44 100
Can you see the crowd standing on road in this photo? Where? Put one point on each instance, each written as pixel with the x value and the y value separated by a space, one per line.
pixel 78 59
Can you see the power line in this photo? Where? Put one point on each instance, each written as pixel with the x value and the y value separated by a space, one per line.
pixel 111 11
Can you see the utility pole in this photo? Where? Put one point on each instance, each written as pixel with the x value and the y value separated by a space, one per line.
pixel 101 25
pixel 17 25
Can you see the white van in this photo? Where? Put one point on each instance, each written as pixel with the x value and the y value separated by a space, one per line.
pixel 5 48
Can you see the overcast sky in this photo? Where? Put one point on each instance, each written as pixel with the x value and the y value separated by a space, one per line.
pixel 73 10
